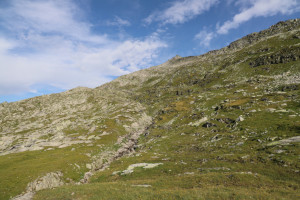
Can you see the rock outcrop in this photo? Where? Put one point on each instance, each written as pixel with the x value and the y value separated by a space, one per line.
pixel 49 181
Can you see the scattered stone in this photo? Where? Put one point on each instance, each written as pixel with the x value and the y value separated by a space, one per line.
pixel 189 173
pixel 130 169
pixel 273 138
pixel 271 109
pixel 287 141
pixel 226 120
pixel 145 186
pixel 91 137
pixel 86 177
pixel 77 166
pixel 249 173
pixel 279 151
pixel 208 125
pixel 216 138
pixel 182 162
pixel 25 196
pixel 89 166
pixel 197 123
pixel 280 92
pixel 63 146
pixel 116 172
pixel 82 137
pixel 215 168
pixel 240 119
pixel 258 140
pixel 240 144
pixel 264 99
pixel 282 111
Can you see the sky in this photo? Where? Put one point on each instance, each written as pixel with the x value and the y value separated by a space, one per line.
pixel 49 46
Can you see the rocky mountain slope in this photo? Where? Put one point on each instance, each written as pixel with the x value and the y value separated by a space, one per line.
pixel 223 125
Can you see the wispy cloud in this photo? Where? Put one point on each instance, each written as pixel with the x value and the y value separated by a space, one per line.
pixel 181 11
pixel 118 22
pixel 259 8
pixel 205 37
pixel 49 42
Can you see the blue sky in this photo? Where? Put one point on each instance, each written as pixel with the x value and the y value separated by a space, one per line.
pixel 49 46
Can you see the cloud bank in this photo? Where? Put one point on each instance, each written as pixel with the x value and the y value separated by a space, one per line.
pixel 49 42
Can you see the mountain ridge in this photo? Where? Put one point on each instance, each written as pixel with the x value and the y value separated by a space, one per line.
pixel 235 45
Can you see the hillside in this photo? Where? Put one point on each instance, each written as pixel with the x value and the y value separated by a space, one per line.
pixel 223 125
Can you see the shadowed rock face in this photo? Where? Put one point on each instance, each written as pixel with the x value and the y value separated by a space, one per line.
pixel 216 113
pixel 281 57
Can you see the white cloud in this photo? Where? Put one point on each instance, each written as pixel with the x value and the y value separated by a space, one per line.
pixel 119 22
pixel 181 11
pixel 205 37
pixel 42 42
pixel 49 16
pixel 258 8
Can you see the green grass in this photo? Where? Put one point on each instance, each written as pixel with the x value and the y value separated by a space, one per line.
pixel 172 188
pixel 17 170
